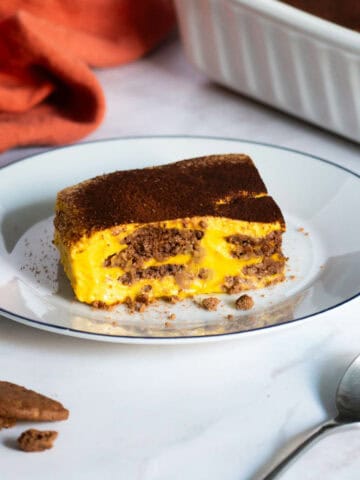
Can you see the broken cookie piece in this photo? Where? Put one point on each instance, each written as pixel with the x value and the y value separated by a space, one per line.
pixel 245 302
pixel 37 440
pixel 19 403
pixel 7 422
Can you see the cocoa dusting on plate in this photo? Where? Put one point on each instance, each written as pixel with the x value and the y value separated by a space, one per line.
pixel 204 273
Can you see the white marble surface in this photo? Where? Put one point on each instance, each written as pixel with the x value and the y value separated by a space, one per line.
pixel 202 412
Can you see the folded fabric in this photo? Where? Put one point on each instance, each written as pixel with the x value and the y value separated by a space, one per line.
pixel 48 94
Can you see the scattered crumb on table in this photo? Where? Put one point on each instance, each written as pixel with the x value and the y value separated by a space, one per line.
pixel 37 440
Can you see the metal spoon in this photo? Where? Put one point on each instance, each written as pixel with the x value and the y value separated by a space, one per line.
pixel 348 407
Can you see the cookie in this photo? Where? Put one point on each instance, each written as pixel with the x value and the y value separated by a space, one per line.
pixel 36 440
pixel 7 422
pixel 19 403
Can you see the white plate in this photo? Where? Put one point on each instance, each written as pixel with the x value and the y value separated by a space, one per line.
pixel 319 201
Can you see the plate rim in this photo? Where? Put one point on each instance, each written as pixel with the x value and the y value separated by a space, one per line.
pixel 158 339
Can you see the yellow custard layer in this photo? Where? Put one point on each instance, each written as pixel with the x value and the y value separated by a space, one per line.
pixel 92 281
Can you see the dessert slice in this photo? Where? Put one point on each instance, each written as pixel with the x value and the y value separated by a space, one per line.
pixel 204 225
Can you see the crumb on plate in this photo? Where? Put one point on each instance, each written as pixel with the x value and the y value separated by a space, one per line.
pixel 210 303
pixel 245 302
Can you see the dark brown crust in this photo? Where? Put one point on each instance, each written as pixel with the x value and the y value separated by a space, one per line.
pixel 345 13
pixel 186 189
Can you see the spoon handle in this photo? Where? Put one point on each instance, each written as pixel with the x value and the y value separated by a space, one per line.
pixel 310 437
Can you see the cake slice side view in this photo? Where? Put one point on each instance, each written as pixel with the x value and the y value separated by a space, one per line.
pixel 204 225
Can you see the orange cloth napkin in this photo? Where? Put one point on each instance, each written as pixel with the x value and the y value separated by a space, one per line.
pixel 48 94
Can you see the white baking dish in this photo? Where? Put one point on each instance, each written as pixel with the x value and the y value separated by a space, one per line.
pixel 279 55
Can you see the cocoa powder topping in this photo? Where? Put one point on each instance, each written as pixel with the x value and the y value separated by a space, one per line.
pixel 151 273
pixel 247 247
pixel 154 242
pixel 267 267
pixel 186 189
pixel 7 422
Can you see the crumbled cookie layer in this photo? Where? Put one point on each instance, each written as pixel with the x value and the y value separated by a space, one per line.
pixel 154 242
